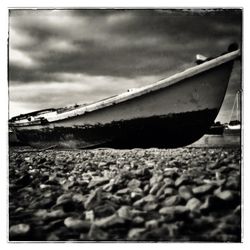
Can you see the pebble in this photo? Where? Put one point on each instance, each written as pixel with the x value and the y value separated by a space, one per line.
pixel 109 221
pixel 93 200
pixel 97 181
pixel 19 230
pixel 193 204
pixel 184 194
pixel 172 200
pixel 183 180
pixel 135 233
pixel 203 189
pixel 150 206
pixel 133 184
pixel 104 210
pixel 76 224
pixel 227 195
pixel 124 212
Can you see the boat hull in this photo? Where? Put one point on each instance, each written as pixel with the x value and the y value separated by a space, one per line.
pixel 174 116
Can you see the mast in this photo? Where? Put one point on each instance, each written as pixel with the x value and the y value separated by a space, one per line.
pixel 237 106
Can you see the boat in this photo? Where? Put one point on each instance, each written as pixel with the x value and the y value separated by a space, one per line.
pixel 234 125
pixel 173 112
pixel 216 129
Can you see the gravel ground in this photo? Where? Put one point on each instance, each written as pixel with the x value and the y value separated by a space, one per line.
pixel 185 194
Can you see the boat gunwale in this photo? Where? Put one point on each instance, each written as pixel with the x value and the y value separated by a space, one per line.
pixel 166 82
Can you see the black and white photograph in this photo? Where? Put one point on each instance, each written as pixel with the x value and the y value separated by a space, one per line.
pixel 125 124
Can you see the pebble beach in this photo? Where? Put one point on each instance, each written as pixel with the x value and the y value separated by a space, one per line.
pixel 172 195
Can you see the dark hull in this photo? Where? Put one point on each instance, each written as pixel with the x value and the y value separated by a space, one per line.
pixel 163 132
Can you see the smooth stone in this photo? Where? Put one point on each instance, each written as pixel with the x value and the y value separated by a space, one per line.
pixel 154 189
pixel 226 195
pixel 79 198
pixel 76 224
pixel 64 198
pixel 55 214
pixel 146 188
pixel 89 215
pixel 185 192
pixel 149 198
pixel 104 210
pixel 150 206
pixel 151 224
pixel 93 200
pixel 183 180
pixel 133 184
pixel 203 189
pixel 169 191
pixel 139 203
pixel 173 210
pixel 168 182
pixel 109 221
pixel 155 179
pixel 193 204
pixel 98 181
pixel 19 230
pixel 138 220
pixel 124 212
pixel 136 196
pixel 135 233
pixel 122 191
pixel 172 200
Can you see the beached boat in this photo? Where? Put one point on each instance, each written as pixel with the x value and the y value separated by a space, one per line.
pixel 173 112
pixel 234 125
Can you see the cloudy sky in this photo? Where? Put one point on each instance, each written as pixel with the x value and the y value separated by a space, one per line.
pixel 60 57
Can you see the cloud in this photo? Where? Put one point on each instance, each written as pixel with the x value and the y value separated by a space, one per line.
pixel 66 47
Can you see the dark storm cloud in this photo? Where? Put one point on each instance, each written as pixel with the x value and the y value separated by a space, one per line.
pixel 125 43
pixel 60 57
